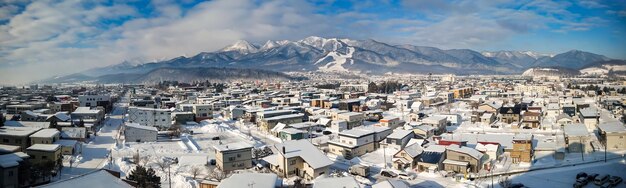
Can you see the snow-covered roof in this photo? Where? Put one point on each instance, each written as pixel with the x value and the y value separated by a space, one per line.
pixel 414 149
pixel 71 143
pixel 467 150
pixel 96 179
pixel 45 133
pixel 487 115
pixel 455 162
pixel 562 116
pixel 278 127
pixel 232 146
pixel 356 133
pixel 327 182
pixel 86 110
pixel 399 134
pixel 33 124
pixel 575 129
pixel 285 117
pixel 143 127
pixel 612 127
pixel 292 131
pixel 303 125
pixel 10 160
pixel 61 116
pixel 391 183
pixel 17 131
pixel 523 136
pixel 589 112
pixel 258 180
pixel 305 150
pixel 73 132
pixel 44 147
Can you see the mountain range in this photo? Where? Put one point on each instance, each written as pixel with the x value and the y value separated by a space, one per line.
pixel 360 56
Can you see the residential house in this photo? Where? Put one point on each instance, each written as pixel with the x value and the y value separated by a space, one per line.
pixel 462 159
pixel 437 122
pixel 613 135
pixel 17 136
pixel 40 153
pixel 490 106
pixel 531 120
pixel 392 122
pixel 407 157
pixel 298 158
pixel 256 180
pixel 202 111
pixel 488 118
pixel 352 143
pixel 233 156
pixel 577 138
pixel 45 136
pixel 523 150
pixel 267 124
pixel 134 132
pixel 399 138
pixel 353 119
pixel 69 147
pixel 510 114
pixel 590 117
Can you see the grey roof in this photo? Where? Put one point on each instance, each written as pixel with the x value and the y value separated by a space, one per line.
pixel 17 131
pixel 10 160
pixel 612 127
pixel 259 180
pixel 563 115
pixel 589 112
pixel 341 182
pixel 284 117
pixel 305 150
pixel 414 150
pixel 96 179
pixel 138 126
pixel 399 134
pixel 575 129
pixel 467 150
pixel 391 183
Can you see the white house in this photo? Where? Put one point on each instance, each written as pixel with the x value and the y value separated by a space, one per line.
pixel 93 100
pixel 134 132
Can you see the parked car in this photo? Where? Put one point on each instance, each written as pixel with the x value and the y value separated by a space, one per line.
pixel 215 138
pixel 312 136
pixel 592 177
pixel 388 174
pixel 615 180
pixel 579 184
pixel 517 185
pixel 581 174
pixel 601 179
pixel 360 170
pixel 212 162
pixel 406 176
pixel 327 132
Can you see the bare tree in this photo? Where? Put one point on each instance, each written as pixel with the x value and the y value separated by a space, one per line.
pixel 163 164
pixel 195 171
pixel 218 174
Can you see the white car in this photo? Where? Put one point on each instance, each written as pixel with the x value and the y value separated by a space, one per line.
pixel 406 176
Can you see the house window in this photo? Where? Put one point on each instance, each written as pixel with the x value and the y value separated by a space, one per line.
pixel 238 155
pixel 5 140
pixel 461 158
pixel 231 158
pixel 44 157
pixel 292 162
pixel 10 173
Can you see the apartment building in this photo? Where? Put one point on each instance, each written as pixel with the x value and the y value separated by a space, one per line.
pixel 40 153
pixel 17 136
pixel 45 136
pixel 613 135
pixel 268 124
pixel 161 118
pixel 202 111
pixel 353 119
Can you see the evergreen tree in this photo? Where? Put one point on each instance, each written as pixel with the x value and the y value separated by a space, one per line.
pixel 145 178
pixel 372 88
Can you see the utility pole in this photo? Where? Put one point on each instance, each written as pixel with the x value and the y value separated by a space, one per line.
pixel 169 175
pixel 384 156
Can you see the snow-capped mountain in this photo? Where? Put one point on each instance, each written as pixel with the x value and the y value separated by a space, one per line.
pixel 241 46
pixel 520 59
pixel 366 56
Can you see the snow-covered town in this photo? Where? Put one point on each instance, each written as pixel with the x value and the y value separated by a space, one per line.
pixel 388 131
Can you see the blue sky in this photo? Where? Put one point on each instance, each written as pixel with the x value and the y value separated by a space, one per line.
pixel 50 37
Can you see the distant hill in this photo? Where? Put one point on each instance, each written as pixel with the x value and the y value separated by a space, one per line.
pixel 176 74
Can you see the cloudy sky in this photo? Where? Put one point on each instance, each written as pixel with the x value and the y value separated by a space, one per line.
pixel 44 38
